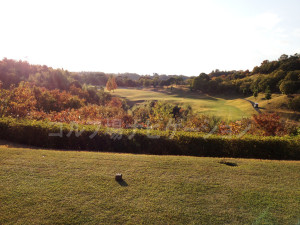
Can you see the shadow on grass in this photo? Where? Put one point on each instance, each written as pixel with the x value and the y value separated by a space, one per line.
pixel 9 144
pixel 190 95
pixel 123 183
pixel 198 95
pixel 132 103
pixel 228 163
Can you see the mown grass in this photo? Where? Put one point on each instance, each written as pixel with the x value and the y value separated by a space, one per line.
pixel 226 108
pixel 60 187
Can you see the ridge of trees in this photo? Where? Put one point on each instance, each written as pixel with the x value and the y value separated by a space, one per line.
pixel 282 75
pixel 42 93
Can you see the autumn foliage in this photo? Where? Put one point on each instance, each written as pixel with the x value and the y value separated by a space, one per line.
pixel 88 106
pixel 111 84
pixel 39 103
pixel 268 124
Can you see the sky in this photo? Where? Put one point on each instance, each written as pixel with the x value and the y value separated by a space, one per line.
pixel 140 36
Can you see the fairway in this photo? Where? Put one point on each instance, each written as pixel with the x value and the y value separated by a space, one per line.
pixel 227 109
pixel 60 187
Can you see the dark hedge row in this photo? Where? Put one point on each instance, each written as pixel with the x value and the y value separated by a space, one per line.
pixel 36 133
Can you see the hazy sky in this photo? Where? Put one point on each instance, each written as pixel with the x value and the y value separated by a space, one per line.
pixel 164 36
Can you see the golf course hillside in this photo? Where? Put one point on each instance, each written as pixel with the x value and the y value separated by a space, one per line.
pixel 225 107
pixel 67 187
pixel 150 112
pixel 278 104
pixel 230 107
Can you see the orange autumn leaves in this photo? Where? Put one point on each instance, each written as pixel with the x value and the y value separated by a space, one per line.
pixel 77 105
pixel 38 103
pixel 111 84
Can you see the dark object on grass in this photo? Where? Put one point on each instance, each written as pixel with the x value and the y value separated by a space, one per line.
pixel 228 163
pixel 120 180
pixel 118 177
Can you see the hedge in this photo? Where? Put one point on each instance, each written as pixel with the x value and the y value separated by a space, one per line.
pixel 36 133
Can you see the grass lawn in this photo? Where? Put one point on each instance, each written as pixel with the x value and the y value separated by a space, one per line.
pixel 65 187
pixel 226 108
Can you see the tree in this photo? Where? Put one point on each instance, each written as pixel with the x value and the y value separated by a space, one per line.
pixel 146 82
pixel 21 100
pixel 255 93
pixel 291 64
pixel 288 87
pixel 114 83
pixel 155 81
pixel 111 84
pixel 268 94
pixel 75 83
pixel 283 57
pixel 293 75
pixel 200 82
pixel 204 76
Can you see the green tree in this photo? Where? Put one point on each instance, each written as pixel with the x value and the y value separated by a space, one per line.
pixel 200 82
pixel 283 57
pixel 288 87
pixel 293 75
pixel 255 93
pixel 268 94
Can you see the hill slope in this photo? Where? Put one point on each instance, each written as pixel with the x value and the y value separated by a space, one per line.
pixel 278 104
pixel 224 107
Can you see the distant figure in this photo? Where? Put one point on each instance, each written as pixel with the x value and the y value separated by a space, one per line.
pixel 255 105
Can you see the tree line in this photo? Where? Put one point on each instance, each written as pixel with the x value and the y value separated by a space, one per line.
pixel 278 76
pixel 42 93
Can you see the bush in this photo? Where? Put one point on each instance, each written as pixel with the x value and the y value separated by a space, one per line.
pixel 294 104
pixel 268 123
pixel 94 138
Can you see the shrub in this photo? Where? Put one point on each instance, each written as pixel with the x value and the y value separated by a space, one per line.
pixel 268 123
pixel 145 141
pixel 200 123
pixel 294 104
